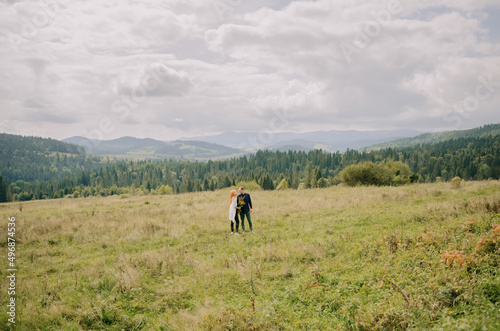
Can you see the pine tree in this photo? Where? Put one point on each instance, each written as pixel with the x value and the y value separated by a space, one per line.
pixel 317 173
pixel 308 177
pixel 3 190
pixel 283 185
pixel 197 186
pixel 226 182
pixel 85 179
pixel 295 180
pixel 267 183
pixel 315 177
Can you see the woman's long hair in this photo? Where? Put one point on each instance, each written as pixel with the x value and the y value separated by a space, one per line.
pixel 231 196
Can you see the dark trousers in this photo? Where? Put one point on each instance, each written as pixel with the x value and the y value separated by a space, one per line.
pixel 249 219
pixel 237 221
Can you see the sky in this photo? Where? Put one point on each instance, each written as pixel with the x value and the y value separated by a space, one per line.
pixel 182 68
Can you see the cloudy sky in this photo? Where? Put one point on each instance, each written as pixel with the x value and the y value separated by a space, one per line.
pixel 174 68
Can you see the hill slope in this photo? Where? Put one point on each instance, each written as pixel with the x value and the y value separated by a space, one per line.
pixel 140 149
pixel 34 158
pixel 428 138
pixel 421 257
pixel 12 142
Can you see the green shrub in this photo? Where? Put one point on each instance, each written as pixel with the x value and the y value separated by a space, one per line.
pixel 366 173
pixel 249 186
pixel 491 291
pixel 378 174
pixel 322 183
pixel 24 196
pixel 165 189
pixel 283 185
pixel 267 183
pixel 456 182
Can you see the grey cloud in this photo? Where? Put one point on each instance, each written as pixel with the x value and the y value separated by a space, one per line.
pixel 46 116
pixel 38 65
pixel 231 71
pixel 30 103
pixel 156 80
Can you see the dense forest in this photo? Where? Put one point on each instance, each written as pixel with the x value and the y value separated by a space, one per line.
pixel 31 158
pixel 36 168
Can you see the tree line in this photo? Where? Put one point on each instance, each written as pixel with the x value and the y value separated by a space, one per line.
pixel 51 170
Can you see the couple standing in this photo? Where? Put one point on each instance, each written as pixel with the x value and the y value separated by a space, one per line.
pixel 240 205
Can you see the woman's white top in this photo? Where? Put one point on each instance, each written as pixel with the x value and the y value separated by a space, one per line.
pixel 232 209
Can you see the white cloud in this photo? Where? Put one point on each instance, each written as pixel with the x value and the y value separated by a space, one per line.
pixel 155 80
pixel 67 64
pixel 304 39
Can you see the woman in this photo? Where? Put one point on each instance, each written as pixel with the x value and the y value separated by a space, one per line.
pixel 233 215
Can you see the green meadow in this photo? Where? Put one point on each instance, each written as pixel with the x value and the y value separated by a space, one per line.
pixel 423 256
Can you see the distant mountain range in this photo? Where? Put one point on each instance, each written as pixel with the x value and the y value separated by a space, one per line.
pixel 234 144
pixel 140 149
pixel 335 140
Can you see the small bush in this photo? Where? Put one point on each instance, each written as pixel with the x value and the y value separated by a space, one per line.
pixel 322 183
pixel 109 316
pixel 456 182
pixel 366 173
pixel 24 196
pixel 378 174
pixel 491 291
pixel 249 186
pixel 283 185
pixel 165 189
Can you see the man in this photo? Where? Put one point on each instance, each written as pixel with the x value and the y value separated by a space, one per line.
pixel 245 208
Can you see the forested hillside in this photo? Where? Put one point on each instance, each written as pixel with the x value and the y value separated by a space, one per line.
pixel 50 170
pixel 429 138
pixel 32 158
pixel 32 165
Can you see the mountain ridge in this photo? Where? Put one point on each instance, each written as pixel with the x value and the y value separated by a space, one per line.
pixel 148 148
pixel 232 144
pixel 332 140
pixel 435 137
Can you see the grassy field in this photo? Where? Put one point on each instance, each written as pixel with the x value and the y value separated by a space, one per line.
pixel 424 256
